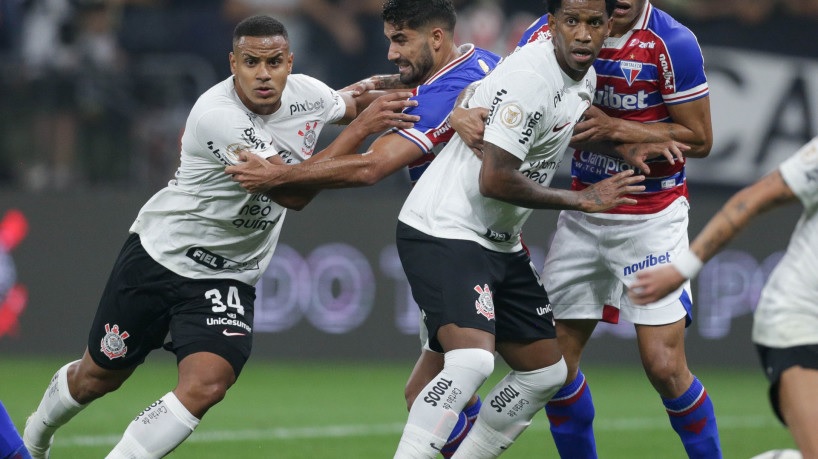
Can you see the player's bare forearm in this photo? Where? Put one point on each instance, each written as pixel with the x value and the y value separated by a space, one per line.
pixel 501 179
pixel 690 125
pixel 769 192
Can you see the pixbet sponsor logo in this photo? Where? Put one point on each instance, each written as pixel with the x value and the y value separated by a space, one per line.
pixel 306 106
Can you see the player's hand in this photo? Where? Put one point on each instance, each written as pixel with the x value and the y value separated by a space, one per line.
pixel 470 124
pixel 256 174
pixel 609 193
pixel 387 112
pixel 654 284
pixel 635 154
pixel 595 126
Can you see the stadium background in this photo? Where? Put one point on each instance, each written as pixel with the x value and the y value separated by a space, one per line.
pixel 90 130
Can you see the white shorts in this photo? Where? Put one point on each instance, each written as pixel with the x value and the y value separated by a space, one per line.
pixel 592 260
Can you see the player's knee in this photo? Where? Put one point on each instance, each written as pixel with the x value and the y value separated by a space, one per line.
pixel 667 375
pixel 199 396
pixel 546 381
pixel 479 361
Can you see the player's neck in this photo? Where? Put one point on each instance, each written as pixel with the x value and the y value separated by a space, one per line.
pixel 448 56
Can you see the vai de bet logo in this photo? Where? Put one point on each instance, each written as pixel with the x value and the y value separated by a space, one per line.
pixel 13 296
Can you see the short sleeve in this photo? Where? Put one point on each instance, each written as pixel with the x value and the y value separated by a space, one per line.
pixel 800 171
pixel 516 113
pixel 223 131
pixel 335 107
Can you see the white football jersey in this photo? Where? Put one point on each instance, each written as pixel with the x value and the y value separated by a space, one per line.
pixel 533 108
pixel 203 224
pixel 787 313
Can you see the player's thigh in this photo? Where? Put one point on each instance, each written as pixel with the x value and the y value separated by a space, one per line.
pixel 777 361
pixel 451 281
pixel 642 244
pixel 525 332
pixel 133 315
pixel 575 273
pixel 798 395
pixel 214 316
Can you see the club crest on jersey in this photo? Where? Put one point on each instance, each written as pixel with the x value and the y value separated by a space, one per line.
pixel 630 70
pixel 310 136
pixel 484 303
pixel 113 343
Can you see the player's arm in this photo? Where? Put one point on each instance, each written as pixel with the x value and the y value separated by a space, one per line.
pixel 256 174
pixel 386 155
pixel 500 178
pixel 375 83
pixel 769 192
pixel 691 127
pixel 361 94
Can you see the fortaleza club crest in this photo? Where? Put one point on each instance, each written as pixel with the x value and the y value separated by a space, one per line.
pixel 484 303
pixel 113 343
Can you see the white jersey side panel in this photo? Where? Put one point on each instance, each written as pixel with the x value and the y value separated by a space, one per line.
pixel 787 313
pixel 203 224
pixel 533 108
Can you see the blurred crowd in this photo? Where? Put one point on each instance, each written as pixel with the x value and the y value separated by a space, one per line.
pixel 95 92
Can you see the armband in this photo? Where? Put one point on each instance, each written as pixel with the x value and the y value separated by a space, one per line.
pixel 688 264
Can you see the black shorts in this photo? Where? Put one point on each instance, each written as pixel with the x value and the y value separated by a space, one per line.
pixel 143 301
pixel 461 282
pixel 775 361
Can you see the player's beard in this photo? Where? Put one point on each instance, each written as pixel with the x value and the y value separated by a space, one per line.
pixel 420 69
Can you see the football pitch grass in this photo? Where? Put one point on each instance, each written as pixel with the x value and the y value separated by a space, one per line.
pixel 355 410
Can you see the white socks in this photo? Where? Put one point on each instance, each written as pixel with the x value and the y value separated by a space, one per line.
pixel 508 409
pixel 157 430
pixel 437 407
pixel 56 408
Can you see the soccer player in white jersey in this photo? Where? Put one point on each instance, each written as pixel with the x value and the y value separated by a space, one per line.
pixel 786 319
pixel 199 245
pixel 458 238
pixel 651 86
pixel 421 44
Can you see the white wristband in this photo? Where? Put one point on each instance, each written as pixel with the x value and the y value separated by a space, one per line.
pixel 688 264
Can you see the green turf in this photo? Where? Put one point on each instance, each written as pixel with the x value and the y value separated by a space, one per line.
pixel 333 410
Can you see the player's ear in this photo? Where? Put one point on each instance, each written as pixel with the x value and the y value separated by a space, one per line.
pixel 438 36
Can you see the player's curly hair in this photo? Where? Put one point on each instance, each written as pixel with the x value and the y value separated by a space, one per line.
pixel 259 25
pixel 553 5
pixel 414 14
